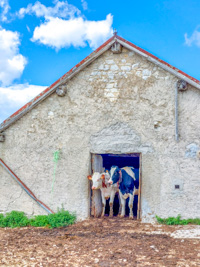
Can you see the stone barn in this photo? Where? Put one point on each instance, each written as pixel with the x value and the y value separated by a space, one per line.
pixel 120 106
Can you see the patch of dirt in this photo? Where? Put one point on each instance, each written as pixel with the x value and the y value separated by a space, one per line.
pixel 101 242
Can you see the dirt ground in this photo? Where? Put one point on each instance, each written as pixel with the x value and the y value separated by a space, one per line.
pixel 102 242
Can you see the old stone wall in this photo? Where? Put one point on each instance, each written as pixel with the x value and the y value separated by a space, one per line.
pixel 121 103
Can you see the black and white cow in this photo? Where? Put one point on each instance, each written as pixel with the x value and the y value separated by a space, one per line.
pixel 101 181
pixel 128 184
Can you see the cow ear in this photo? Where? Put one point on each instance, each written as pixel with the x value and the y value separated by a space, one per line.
pixel 89 177
pixel 102 176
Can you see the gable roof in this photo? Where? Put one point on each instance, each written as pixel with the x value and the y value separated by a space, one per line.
pixel 85 62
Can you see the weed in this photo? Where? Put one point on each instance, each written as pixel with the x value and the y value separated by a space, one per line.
pixel 39 221
pixel 15 219
pixel 19 219
pixel 1 220
pixel 61 218
pixel 177 221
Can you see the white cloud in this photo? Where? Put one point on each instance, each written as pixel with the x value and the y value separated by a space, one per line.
pixel 194 39
pixel 58 33
pixel 84 4
pixel 14 97
pixel 65 26
pixel 5 8
pixel 61 9
pixel 12 62
pixel 97 32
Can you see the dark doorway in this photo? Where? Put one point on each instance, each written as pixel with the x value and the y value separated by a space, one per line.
pixel 121 160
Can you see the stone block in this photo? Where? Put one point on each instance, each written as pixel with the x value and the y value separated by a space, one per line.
pixel 110 61
pixel 134 66
pixel 125 68
pixel 114 67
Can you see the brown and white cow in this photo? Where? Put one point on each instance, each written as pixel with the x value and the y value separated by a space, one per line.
pixel 100 181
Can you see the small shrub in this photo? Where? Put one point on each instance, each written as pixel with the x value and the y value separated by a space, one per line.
pixel 173 220
pixel 160 220
pixel 1 220
pixel 19 219
pixel 177 221
pixel 60 219
pixel 39 221
pixel 15 219
pixel 194 221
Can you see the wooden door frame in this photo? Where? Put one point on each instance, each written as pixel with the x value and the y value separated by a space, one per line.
pixel 140 186
pixel 95 199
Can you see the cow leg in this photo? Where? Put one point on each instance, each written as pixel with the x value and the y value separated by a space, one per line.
pixel 103 206
pixel 130 204
pixel 112 196
pixel 123 204
pixel 120 206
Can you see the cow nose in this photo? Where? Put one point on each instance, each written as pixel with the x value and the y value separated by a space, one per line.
pixel 110 182
pixel 93 187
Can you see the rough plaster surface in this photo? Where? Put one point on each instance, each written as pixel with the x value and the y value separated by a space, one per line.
pixel 118 138
pixel 121 103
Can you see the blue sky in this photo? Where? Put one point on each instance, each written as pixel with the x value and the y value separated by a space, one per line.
pixel 42 40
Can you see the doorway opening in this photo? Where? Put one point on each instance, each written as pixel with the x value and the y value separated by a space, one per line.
pixel 103 162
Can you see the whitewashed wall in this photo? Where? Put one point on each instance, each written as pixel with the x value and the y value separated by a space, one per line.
pixel 121 103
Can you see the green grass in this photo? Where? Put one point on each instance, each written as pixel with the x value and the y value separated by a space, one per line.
pixel 177 221
pixel 19 219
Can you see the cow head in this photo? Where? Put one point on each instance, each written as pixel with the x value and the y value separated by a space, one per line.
pixel 115 174
pixel 96 180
